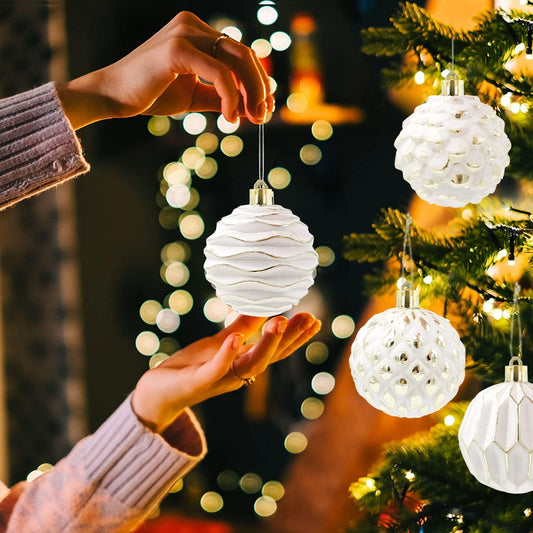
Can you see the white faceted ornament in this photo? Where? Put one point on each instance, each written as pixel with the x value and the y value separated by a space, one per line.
pixel 407 361
pixel 496 434
pixel 453 149
pixel 260 259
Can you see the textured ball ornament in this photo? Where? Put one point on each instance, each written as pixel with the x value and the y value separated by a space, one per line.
pixel 407 361
pixel 260 259
pixel 453 149
pixel 496 434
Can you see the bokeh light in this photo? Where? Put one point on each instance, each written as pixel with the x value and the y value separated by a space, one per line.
pixel 295 442
pixel 273 84
pixel 250 483
pixel 194 201
pixel 273 489
pixel 175 251
pixel 149 310
pixel 265 506
pixel 167 320
pixel 267 15
pixel 181 301
pixel 176 172
pixel 228 480
pixel 323 383
pixel 449 420
pixel 191 226
pixel 233 32
pixel 225 126
pixel 280 41
pixel 158 126
pixel 208 142
pixel 175 273
pixel 194 123
pixel 193 157
pixel 169 345
pixel 261 47
pixel 231 145
pixel 157 359
pixel 147 343
pixel 211 502
pixel 207 169
pixel 317 352
pixel 169 217
pixel 279 178
pixel 326 256
pixel 312 408
pixel 343 326
pixel 178 195
pixel 176 487
pixel 297 102
pixel 216 310
pixel 321 130
pixel 310 154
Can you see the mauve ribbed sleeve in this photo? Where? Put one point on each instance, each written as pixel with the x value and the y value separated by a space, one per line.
pixel 38 147
pixel 112 479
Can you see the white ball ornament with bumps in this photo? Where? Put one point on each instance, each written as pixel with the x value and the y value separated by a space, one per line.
pixel 453 149
pixel 407 361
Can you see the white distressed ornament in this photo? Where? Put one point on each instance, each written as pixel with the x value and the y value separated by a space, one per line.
pixel 260 259
pixel 496 434
pixel 453 149
pixel 407 361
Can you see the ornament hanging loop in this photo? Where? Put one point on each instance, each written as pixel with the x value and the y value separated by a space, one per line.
pixel 261 194
pixel 407 249
pixel 516 370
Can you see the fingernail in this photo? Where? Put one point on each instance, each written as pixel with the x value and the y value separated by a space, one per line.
pixel 317 326
pixel 237 341
pixel 282 326
pixel 306 323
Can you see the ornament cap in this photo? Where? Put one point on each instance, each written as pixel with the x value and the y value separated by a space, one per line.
pixel 452 85
pixel 407 296
pixel 261 194
pixel 516 372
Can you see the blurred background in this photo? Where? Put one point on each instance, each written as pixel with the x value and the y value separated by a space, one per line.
pixel 103 277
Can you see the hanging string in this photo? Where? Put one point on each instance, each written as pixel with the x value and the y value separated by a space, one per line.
pixel 261 152
pixel 407 246
pixel 453 53
pixel 515 314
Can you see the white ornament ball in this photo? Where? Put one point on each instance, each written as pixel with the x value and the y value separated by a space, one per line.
pixel 496 437
pixel 407 362
pixel 453 150
pixel 260 259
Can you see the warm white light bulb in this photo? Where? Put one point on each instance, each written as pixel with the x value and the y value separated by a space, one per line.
pixel 420 77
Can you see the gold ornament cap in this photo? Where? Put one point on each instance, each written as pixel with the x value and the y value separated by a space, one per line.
pixel 452 85
pixel 407 296
pixel 516 372
pixel 261 194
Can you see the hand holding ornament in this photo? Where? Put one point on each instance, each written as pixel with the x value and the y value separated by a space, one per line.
pixel 162 77
pixel 216 365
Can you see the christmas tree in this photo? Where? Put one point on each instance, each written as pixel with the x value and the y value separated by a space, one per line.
pixel 466 271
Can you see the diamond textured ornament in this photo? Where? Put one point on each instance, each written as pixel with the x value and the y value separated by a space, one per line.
pixel 260 259
pixel 407 361
pixel 453 149
pixel 496 434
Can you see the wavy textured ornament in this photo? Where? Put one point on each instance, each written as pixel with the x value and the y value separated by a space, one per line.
pixel 496 434
pixel 260 259
pixel 407 361
pixel 453 149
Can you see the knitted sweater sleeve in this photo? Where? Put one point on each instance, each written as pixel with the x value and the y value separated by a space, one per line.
pixel 38 147
pixel 110 480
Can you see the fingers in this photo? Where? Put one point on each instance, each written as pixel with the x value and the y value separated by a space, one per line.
pixel 219 366
pixel 306 329
pixel 243 324
pixel 251 78
pixel 259 356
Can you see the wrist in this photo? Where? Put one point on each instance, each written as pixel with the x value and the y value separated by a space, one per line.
pixel 82 102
